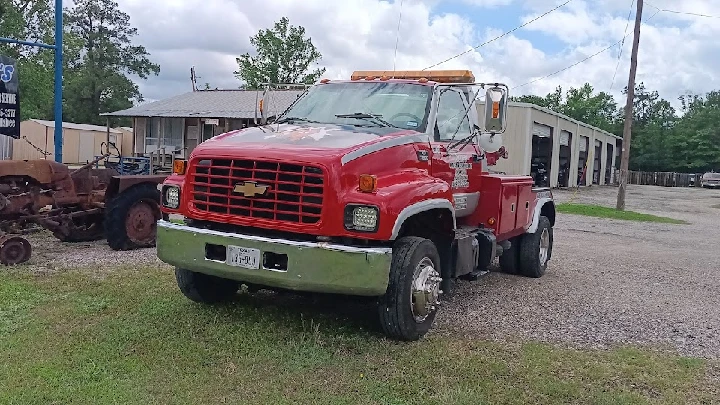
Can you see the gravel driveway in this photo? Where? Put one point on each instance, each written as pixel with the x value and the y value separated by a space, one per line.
pixel 608 282
pixel 611 281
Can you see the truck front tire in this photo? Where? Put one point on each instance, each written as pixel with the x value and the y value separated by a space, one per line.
pixel 536 249
pixel 408 308
pixel 204 288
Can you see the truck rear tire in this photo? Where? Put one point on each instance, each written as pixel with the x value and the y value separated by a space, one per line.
pixel 204 288
pixel 408 308
pixel 536 249
pixel 131 217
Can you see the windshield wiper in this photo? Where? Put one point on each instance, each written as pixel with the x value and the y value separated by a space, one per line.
pixel 286 119
pixel 462 141
pixel 363 116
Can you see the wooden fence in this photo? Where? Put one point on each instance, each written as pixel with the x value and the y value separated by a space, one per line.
pixel 665 179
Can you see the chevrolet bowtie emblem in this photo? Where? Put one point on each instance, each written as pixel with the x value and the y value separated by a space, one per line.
pixel 250 189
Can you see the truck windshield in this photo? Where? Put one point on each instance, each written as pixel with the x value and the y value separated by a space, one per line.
pixel 401 105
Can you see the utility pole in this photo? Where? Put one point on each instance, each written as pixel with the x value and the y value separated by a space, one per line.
pixel 625 159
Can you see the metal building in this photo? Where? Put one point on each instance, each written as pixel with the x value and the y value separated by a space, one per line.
pixel 81 142
pixel 538 139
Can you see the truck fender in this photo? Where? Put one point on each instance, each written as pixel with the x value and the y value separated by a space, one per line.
pixel 544 206
pixel 419 207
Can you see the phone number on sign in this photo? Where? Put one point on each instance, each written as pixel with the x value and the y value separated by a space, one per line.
pixel 7 123
pixel 7 113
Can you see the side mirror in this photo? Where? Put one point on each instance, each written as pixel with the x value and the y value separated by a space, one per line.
pixel 496 109
pixel 263 108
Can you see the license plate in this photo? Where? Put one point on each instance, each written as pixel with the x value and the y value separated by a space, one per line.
pixel 239 256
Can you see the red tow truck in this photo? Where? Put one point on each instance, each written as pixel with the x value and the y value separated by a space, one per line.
pixel 377 186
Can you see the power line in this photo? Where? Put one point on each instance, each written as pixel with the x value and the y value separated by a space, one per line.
pixel 622 45
pixel 586 59
pixel 500 36
pixel 573 65
pixel 397 35
pixel 682 12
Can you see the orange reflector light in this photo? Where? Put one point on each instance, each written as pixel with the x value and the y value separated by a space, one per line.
pixel 491 221
pixel 323 81
pixel 367 183
pixel 179 166
pixel 261 105
pixel 440 76
pixel 495 109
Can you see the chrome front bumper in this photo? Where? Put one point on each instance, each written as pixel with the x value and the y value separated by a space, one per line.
pixel 280 263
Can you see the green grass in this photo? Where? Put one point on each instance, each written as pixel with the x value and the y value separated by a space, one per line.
pixel 612 213
pixel 133 338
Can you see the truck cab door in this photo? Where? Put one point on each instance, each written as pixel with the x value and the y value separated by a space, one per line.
pixel 460 166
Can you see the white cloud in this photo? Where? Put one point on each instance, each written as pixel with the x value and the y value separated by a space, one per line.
pixel 678 53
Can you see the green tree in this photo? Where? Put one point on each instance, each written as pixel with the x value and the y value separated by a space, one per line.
pixel 284 55
pixel 551 101
pixel 695 142
pixel 653 129
pixel 97 79
pixel 595 109
pixel 580 104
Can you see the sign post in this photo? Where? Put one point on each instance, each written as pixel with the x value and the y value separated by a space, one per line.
pixel 9 98
pixel 58 47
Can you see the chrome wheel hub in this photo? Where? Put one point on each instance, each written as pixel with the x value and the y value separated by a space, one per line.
pixel 544 246
pixel 425 293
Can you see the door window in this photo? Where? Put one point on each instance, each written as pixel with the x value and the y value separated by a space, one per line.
pixel 451 121
pixel 208 132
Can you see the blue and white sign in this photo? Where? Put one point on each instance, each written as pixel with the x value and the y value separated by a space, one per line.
pixel 9 98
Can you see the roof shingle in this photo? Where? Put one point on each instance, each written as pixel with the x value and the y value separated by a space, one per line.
pixel 213 104
pixel 79 127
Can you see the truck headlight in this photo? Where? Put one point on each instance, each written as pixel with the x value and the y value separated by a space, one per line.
pixel 361 218
pixel 171 197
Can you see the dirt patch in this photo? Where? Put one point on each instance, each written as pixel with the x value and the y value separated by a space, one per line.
pixel 50 255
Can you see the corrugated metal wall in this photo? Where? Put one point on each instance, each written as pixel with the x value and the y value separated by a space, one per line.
pixel 518 142
pixel 6 147
pixel 78 146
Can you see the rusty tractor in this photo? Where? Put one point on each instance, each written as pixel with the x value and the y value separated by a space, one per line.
pixel 84 204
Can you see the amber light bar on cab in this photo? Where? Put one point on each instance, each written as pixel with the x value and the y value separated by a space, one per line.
pixel 439 76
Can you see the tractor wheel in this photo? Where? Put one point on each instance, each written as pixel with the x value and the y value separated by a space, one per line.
pixel 14 250
pixel 131 217
pixel 536 249
pixel 408 308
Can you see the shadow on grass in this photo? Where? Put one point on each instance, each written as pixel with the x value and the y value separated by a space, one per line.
pixel 348 315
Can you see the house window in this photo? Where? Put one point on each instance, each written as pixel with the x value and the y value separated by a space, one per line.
pixel 152 134
pixel 173 134
pixel 163 132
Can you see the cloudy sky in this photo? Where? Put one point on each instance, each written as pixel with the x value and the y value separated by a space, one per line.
pixel 679 52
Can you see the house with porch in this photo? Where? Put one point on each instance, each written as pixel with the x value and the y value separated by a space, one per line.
pixel 175 126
